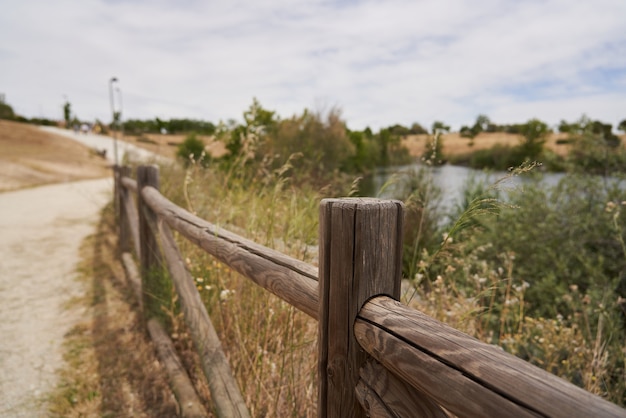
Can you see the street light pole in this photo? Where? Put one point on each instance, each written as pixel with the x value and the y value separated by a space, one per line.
pixel 121 112
pixel 111 81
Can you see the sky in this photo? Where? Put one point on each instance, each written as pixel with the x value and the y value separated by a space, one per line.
pixel 381 62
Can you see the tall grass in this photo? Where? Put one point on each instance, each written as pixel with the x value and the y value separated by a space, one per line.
pixel 536 274
pixel 271 346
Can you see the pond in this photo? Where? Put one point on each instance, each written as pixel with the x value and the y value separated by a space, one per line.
pixel 450 179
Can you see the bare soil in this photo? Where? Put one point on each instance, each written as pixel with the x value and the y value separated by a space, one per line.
pixel 31 157
pixel 71 341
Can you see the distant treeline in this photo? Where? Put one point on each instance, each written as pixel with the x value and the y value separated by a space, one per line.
pixel 172 126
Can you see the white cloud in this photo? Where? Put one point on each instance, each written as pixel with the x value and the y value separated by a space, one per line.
pixel 382 62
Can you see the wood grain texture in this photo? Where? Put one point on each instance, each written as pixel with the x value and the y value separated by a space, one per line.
pixel 132 217
pixel 121 196
pixel 150 253
pixel 117 187
pixel 224 389
pixel 129 183
pixel 464 375
pixel 286 277
pixel 132 274
pixel 128 203
pixel 188 401
pixel 360 256
pixel 399 399
pixel 371 403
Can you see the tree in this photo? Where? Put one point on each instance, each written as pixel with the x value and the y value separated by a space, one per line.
pixel 467 132
pixel 67 114
pixel 6 111
pixel 622 126
pixel 439 127
pixel 398 129
pixel 535 133
pixel 246 140
pixel 482 123
pixel 417 129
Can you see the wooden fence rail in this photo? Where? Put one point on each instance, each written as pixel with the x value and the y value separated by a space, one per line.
pixel 377 357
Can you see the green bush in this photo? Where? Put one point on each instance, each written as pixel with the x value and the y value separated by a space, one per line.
pixel 191 151
pixel 542 274
pixel 6 111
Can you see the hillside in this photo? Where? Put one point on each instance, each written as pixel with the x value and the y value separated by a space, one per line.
pixel 31 157
pixel 455 144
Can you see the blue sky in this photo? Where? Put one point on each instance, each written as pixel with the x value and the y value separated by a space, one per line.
pixel 381 62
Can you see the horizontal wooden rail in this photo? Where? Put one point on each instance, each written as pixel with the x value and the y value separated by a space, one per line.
pixel 288 278
pixel 132 217
pixel 382 394
pixel 224 390
pixel 132 273
pixel 190 405
pixel 464 375
pixel 130 184
pixel 377 357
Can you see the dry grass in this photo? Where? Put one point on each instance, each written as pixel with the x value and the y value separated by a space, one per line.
pixel 167 145
pixel 455 145
pixel 112 369
pixel 31 157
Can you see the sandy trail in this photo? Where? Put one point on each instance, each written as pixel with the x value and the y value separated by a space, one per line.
pixel 41 230
pixel 107 143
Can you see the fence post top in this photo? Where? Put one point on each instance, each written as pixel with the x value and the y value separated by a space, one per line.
pixel 362 201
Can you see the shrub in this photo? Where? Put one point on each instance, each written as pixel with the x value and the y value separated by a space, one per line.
pixel 191 150
pixel 6 111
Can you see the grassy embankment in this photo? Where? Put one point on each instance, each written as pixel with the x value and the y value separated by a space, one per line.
pixel 539 276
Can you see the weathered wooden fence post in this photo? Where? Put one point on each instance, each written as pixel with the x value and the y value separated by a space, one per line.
pixel 117 188
pixel 122 195
pixel 360 256
pixel 153 282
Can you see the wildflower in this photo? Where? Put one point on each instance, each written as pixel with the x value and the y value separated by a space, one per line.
pixel 226 294
pixel 208 287
pixel 610 206
pixel 573 288
pixel 199 279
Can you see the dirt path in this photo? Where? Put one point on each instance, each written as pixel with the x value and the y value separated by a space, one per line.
pixel 108 144
pixel 42 229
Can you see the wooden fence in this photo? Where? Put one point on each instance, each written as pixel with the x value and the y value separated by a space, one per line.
pixel 377 357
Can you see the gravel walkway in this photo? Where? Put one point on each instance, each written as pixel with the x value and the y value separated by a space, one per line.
pixel 42 230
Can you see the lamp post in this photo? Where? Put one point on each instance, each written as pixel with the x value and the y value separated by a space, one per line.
pixel 111 81
pixel 119 118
